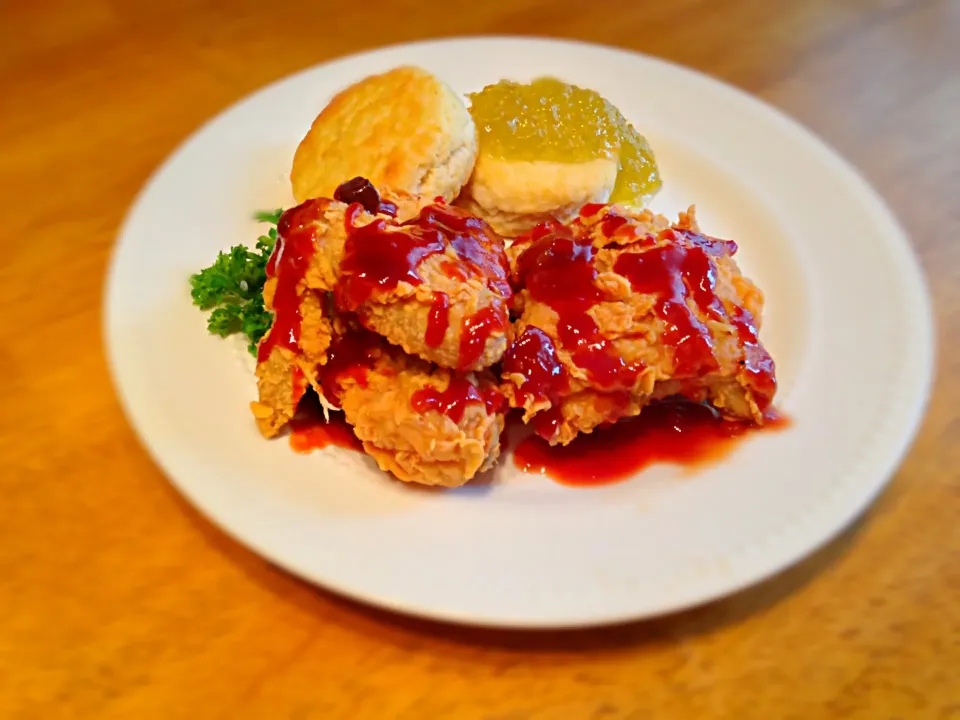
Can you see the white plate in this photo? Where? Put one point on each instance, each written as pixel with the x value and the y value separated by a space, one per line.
pixel 847 321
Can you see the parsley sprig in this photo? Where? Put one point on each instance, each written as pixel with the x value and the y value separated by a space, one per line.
pixel 232 288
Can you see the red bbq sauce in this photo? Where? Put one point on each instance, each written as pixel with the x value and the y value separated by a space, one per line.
pixel 557 268
pixel 309 430
pixel 761 374
pixel 350 356
pixel 453 401
pixel 546 423
pixel 379 256
pixel 756 362
pixel 611 223
pixel 534 356
pixel 296 244
pixel 476 330
pixel 438 320
pixel 672 431
pixel 299 383
pixel 682 272
pixel 591 209
pixel 674 274
pixel 377 260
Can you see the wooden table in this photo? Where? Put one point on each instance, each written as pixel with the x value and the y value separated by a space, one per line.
pixel 118 601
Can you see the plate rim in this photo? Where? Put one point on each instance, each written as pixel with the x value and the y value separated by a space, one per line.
pixel 903 428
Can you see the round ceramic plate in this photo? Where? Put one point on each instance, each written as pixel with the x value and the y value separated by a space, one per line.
pixel 847 320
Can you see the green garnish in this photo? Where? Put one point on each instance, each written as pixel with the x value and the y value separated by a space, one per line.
pixel 232 288
pixel 268 217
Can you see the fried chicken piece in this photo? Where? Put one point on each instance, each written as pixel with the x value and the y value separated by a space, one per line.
pixel 436 285
pixel 619 308
pixel 423 424
pixel 288 355
pixel 449 303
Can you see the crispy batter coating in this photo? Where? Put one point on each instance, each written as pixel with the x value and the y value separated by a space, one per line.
pixel 619 308
pixel 278 395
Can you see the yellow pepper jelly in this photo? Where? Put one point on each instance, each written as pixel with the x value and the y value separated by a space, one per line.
pixel 551 120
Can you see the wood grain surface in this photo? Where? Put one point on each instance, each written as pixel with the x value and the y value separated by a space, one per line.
pixel 118 601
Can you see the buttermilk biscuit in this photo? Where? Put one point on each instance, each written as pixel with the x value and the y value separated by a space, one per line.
pixel 514 196
pixel 405 130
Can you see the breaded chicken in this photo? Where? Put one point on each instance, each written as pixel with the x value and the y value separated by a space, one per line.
pixel 421 423
pixel 289 354
pixel 436 285
pixel 619 308
pixel 425 424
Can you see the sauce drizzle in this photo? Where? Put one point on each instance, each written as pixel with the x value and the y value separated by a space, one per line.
pixel 557 269
pixel 350 356
pixel 476 330
pixel 671 431
pixel 453 401
pixel 438 320
pixel 379 256
pixel 534 356
pixel 682 272
pixel 295 247
pixel 376 259
pixel 676 274
pixel 310 431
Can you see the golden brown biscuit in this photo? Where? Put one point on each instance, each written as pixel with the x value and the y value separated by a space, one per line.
pixel 405 130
